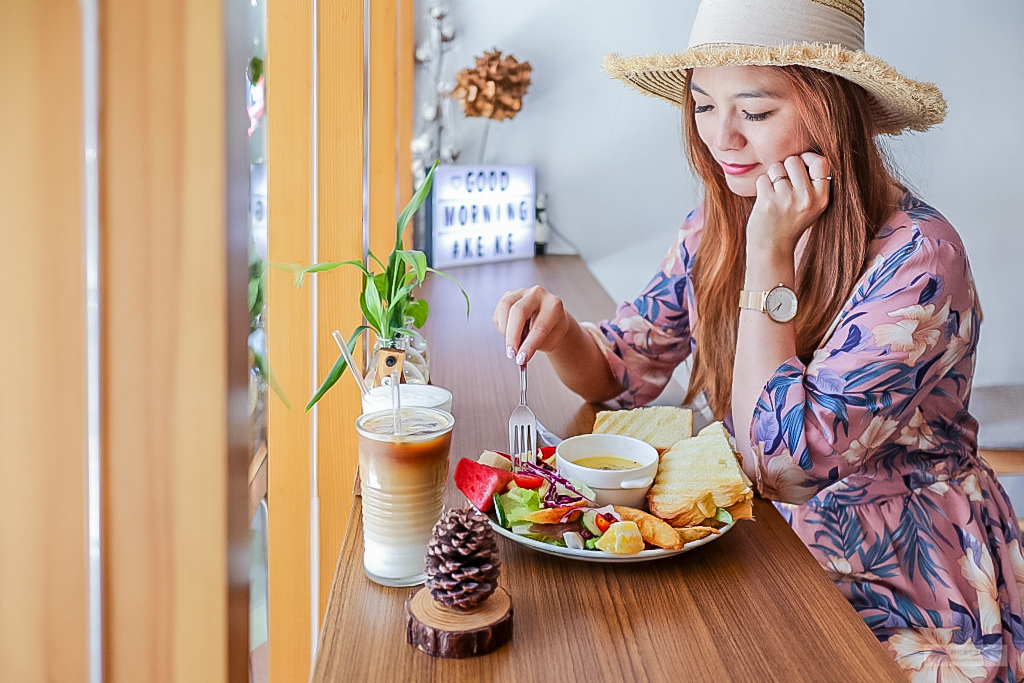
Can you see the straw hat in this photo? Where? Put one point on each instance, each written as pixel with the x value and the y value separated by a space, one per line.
pixel 822 34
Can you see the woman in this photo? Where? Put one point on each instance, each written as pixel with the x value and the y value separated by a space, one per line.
pixel 846 368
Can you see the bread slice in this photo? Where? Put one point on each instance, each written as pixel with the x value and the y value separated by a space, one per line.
pixel 660 426
pixel 696 477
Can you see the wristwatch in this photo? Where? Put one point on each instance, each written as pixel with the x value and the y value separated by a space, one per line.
pixel 778 303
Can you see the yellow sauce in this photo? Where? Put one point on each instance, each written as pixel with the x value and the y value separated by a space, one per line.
pixel 607 462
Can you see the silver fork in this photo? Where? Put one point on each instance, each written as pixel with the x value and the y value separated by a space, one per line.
pixel 522 428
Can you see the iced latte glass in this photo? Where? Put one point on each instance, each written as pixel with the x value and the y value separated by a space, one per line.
pixel 403 479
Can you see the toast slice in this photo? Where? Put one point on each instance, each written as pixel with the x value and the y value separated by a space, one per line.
pixel 660 426
pixel 696 477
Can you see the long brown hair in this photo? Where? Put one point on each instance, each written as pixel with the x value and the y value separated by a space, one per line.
pixel 835 113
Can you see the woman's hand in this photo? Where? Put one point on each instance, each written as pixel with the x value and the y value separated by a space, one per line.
pixel 542 311
pixel 790 198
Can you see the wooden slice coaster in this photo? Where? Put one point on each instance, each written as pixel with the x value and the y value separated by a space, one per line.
pixel 445 632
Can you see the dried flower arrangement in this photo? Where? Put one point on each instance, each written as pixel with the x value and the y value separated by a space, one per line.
pixel 494 89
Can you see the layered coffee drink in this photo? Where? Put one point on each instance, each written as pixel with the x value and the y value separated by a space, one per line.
pixel 403 477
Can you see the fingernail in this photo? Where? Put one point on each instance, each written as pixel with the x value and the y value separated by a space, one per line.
pixel 521 357
pixel 510 352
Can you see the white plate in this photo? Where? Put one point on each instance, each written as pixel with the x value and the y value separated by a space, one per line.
pixel 600 555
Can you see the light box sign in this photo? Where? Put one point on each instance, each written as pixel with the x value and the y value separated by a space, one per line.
pixel 480 214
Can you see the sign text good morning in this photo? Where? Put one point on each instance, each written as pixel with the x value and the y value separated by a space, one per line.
pixel 480 214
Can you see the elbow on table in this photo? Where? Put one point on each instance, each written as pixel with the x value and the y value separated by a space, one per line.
pixel 781 479
pixel 598 394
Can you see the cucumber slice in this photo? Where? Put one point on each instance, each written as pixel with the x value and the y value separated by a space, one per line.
pixel 589 522
pixel 499 511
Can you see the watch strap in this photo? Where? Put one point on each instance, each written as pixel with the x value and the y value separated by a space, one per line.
pixel 754 301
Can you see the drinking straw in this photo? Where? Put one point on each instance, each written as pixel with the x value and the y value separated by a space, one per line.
pixel 353 368
pixel 396 403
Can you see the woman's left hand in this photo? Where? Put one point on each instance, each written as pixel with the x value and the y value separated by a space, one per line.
pixel 785 208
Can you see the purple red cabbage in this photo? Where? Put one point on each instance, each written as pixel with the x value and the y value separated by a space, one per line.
pixel 553 498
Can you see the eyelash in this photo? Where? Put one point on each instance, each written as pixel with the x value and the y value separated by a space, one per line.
pixel 700 109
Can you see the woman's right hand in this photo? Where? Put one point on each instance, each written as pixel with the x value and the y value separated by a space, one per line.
pixel 791 196
pixel 538 309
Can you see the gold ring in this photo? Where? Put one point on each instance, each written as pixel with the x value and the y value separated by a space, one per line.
pixel 828 177
pixel 781 177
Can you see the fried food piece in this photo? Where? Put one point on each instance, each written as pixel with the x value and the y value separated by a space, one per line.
pixel 653 530
pixel 550 515
pixel 694 533
pixel 741 510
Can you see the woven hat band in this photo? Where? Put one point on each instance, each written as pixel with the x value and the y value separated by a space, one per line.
pixel 774 23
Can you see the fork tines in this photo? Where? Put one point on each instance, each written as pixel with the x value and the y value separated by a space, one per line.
pixel 523 437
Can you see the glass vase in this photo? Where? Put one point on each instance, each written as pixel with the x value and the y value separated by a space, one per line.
pixel 415 370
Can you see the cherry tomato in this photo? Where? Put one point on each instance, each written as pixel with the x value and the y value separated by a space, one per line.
pixel 546 452
pixel 603 522
pixel 528 481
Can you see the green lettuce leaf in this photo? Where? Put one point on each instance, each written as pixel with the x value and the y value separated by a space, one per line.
pixel 519 502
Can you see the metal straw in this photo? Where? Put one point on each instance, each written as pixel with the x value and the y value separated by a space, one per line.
pixel 353 368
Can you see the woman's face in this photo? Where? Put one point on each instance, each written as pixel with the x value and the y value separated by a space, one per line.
pixel 748 119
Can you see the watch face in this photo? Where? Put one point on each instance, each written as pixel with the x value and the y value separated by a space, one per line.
pixel 780 305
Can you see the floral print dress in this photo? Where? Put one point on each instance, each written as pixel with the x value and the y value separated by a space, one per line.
pixel 869 450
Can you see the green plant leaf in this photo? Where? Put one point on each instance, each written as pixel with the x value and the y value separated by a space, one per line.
pixel 417 260
pixel 380 282
pixel 331 265
pixel 414 204
pixel 409 331
pixel 372 315
pixel 254 292
pixel 376 260
pixel 267 372
pixel 255 70
pixel 402 295
pixel 418 309
pixel 298 276
pixel 336 370
pixel 449 277
pixel 375 306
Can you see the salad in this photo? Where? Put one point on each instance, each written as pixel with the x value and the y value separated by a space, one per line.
pixel 537 502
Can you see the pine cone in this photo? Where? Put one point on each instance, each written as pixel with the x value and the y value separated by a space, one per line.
pixel 462 560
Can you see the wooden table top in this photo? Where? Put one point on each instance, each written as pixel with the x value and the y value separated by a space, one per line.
pixel 752 605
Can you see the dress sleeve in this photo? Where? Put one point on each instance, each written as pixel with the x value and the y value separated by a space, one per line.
pixel 855 408
pixel 649 337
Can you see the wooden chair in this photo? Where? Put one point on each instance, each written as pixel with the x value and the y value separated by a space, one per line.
pixel 1000 413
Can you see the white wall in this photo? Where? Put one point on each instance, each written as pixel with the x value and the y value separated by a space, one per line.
pixel 611 161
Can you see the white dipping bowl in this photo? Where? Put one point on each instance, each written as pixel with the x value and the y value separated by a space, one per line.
pixel 611 487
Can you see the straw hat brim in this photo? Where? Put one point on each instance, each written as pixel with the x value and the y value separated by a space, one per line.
pixel 900 103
